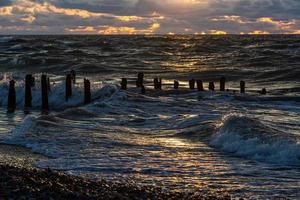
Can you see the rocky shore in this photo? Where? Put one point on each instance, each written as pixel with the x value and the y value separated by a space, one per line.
pixel 22 183
pixel 19 179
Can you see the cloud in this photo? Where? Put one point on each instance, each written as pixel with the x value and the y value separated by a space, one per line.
pixel 137 16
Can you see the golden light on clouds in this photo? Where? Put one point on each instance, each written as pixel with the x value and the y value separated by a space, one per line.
pixel 217 32
pixel 177 16
pixel 259 32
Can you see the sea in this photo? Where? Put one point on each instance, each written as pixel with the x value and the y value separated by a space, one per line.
pixel 247 145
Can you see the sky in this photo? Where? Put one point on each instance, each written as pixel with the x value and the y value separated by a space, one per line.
pixel 149 16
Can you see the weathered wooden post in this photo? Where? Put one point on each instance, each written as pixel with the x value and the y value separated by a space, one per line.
pixel 124 84
pixel 140 80
pixel 222 83
pixel 200 85
pixel 192 84
pixel 264 91
pixel 73 75
pixel 242 86
pixel 68 86
pixel 157 83
pixel 11 100
pixel 87 92
pixel 176 84
pixel 211 86
pixel 28 95
pixel 143 89
pixel 44 87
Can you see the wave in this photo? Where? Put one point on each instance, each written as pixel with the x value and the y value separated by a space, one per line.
pixel 250 138
pixel 56 95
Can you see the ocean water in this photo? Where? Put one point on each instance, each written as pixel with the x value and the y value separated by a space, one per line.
pixel 245 144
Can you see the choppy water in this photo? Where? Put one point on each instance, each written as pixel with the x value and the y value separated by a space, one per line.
pixel 247 145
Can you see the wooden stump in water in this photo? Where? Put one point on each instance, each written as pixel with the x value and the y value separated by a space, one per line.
pixel 157 83
pixel 44 87
pixel 192 84
pixel 29 81
pixel 176 84
pixel 124 84
pixel 211 86
pixel 222 83
pixel 263 91
pixel 73 76
pixel 242 86
pixel 87 92
pixel 140 80
pixel 200 85
pixel 11 100
pixel 68 86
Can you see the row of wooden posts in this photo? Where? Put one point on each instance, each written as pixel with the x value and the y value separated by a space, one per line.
pixel 199 83
pixel 71 79
pixel 45 90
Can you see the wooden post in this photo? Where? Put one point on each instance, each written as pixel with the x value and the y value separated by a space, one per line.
pixel 140 80
pixel 44 87
pixel 28 95
pixel 73 76
pixel 124 84
pixel 211 86
pixel 200 85
pixel 68 86
pixel 242 86
pixel 157 83
pixel 263 91
pixel 192 84
pixel 222 83
pixel 176 84
pixel 143 89
pixel 87 92
pixel 11 100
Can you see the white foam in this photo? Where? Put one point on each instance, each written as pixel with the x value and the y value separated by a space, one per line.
pixel 240 135
pixel 56 95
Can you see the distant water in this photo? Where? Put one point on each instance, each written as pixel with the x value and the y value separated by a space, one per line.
pixel 243 144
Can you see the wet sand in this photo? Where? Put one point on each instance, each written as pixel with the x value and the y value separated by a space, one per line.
pixel 19 179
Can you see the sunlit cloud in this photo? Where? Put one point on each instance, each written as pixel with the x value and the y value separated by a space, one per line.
pixel 149 16
pixel 259 32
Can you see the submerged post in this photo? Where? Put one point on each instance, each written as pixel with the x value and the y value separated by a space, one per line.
pixel 87 92
pixel 200 85
pixel 29 81
pixel 176 84
pixel 211 86
pixel 192 84
pixel 68 86
pixel 222 83
pixel 263 91
pixel 73 76
pixel 124 84
pixel 140 80
pixel 44 87
pixel 242 86
pixel 11 101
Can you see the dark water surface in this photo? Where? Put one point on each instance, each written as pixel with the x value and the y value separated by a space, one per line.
pixel 220 141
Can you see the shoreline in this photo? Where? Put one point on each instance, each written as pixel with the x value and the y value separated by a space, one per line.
pixel 20 179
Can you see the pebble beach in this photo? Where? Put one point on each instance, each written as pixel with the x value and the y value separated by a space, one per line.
pixel 20 179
